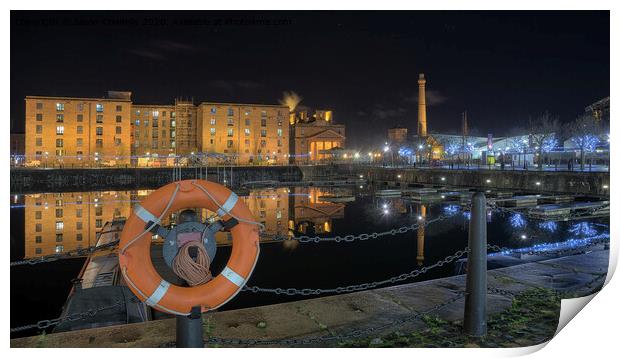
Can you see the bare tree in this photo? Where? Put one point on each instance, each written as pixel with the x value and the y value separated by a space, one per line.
pixel 543 130
pixel 584 132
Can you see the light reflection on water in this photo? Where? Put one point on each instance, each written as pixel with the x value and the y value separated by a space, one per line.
pixel 59 222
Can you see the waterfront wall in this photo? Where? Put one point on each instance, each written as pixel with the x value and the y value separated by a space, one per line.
pixel 64 180
pixel 595 183
pixel 57 180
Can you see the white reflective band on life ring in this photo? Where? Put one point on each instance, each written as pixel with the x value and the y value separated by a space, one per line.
pixel 145 215
pixel 160 291
pixel 233 277
pixel 228 205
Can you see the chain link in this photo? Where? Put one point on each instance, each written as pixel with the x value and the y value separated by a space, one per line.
pixel 65 255
pixel 364 236
pixel 46 323
pixel 359 287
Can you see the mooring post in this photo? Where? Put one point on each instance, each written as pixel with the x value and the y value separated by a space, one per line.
pixel 189 329
pixel 475 317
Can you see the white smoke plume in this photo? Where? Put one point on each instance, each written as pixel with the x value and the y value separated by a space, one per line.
pixel 290 99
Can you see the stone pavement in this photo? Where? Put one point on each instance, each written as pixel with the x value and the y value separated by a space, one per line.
pixel 336 315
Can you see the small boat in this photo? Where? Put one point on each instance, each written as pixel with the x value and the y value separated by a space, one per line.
pixel 388 193
pixel 100 284
pixel 337 198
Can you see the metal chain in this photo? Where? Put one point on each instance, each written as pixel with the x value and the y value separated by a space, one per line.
pixel 65 255
pixel 46 323
pixel 365 236
pixel 359 287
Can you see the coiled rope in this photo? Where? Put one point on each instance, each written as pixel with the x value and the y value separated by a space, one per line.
pixel 193 272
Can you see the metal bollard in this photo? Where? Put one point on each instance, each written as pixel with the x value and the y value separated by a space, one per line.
pixel 189 329
pixel 475 317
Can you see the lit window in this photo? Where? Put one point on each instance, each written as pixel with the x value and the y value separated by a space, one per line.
pixel 60 130
pixel 59 248
pixel 212 131
pixel 60 225
pixel 212 121
pixel 279 132
pixel 155 114
pixel 247 131
pixel 99 107
pixel 137 122
pixel 230 132
pixel 60 106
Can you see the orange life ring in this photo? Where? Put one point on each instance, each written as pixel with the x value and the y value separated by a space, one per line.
pixel 135 243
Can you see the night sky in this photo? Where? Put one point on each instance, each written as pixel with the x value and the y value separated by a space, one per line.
pixel 502 67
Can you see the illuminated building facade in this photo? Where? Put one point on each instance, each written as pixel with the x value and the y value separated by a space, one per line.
pixel 312 138
pixel 64 131
pixel 244 133
pixel 112 131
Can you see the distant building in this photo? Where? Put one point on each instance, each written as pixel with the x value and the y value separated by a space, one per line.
pixel 599 110
pixel 77 131
pixel 313 138
pixel 113 131
pixel 397 135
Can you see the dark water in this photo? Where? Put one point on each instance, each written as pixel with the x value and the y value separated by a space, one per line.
pixel 39 291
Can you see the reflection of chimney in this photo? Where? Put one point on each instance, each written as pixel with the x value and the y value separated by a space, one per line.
pixel 422 106
pixel 420 242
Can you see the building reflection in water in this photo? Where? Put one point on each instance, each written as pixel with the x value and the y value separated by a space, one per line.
pixel 60 222
pixel 309 214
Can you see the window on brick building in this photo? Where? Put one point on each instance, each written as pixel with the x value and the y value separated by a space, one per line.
pixel 99 107
pixel 99 130
pixel 39 117
pixel 60 106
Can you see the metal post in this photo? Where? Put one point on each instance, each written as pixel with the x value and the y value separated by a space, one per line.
pixel 475 318
pixel 189 329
